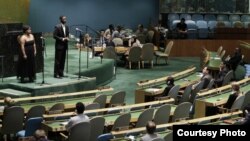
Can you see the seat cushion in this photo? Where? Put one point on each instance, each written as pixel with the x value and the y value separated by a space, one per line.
pixel 161 54
pixel 20 133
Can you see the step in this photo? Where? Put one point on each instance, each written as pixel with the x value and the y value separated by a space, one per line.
pixel 13 93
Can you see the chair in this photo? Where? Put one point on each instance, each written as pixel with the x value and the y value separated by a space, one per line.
pixel 238 24
pixel 30 127
pixel 147 54
pixel 172 17
pixel 141 38
pixel 222 18
pixel 245 18
pixel 174 24
pixel 79 132
pixel 234 18
pixel 157 139
pixel 186 94
pixel 185 16
pixel 220 24
pixel 97 127
pixel 166 53
pixel 222 54
pixel 246 100
pixel 35 111
pixel 237 105
pixel 92 106
pixel 57 108
pixel 197 17
pixel 182 111
pixel 210 84
pixel 196 89
pixel 134 56
pixel 209 17
pixel 150 36
pixel 101 99
pixel 174 92
pixel 211 28
pixel 204 122
pixel 122 122
pixel 202 29
pixel 105 137
pixel 228 24
pixel 12 120
pixel 191 29
pixel 228 77
pixel 144 117
pixel 169 136
pixel 118 42
pixel 162 114
pixel 219 50
pixel 118 99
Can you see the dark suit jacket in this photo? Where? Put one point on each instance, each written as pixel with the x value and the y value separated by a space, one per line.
pixel 221 76
pixel 206 78
pixel 235 60
pixel 167 89
pixel 230 101
pixel 247 120
pixel 59 35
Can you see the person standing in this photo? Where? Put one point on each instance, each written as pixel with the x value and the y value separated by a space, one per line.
pixel 61 35
pixel 27 55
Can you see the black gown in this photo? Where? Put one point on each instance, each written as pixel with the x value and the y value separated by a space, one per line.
pixel 27 66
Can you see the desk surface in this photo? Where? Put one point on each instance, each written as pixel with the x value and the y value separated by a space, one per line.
pixel 56 126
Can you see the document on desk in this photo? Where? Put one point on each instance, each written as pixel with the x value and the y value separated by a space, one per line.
pixel 64 123
pixel 153 90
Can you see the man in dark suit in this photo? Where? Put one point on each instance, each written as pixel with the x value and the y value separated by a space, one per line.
pixel 61 35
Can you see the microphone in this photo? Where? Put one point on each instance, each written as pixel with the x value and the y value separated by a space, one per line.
pixel 77 29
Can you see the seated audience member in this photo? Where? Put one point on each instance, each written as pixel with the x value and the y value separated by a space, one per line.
pixel 140 30
pixel 221 75
pixel 102 38
pixel 39 135
pixel 235 59
pixel 134 42
pixel 170 85
pixel 118 32
pixel 150 128
pixel 80 117
pixel 87 41
pixel 206 77
pixel 109 31
pixel 182 29
pixel 233 96
pixel 246 121
pixel 9 102
pixel 109 42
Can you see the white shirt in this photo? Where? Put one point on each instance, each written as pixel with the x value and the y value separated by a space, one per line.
pixel 64 29
pixel 76 119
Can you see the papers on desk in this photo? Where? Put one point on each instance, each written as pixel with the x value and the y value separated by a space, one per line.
pixel 153 90
pixel 200 74
pixel 64 123
pixel 216 58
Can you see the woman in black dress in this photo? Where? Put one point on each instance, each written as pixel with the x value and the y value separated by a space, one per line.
pixel 27 55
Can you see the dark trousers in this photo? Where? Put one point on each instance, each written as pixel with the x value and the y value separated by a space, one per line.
pixel 60 56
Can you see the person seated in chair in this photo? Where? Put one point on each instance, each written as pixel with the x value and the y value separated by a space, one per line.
pixel 221 75
pixel 9 102
pixel 170 85
pixel 233 96
pixel 150 128
pixel 39 135
pixel 246 120
pixel 206 77
pixel 80 117
pixel 235 59
pixel 182 29
pixel 109 42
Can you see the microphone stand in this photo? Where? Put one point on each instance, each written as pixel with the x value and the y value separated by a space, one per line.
pixel 44 53
pixel 80 48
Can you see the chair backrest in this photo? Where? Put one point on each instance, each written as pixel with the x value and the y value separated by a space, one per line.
pixel 201 24
pixel 109 53
pixel 203 122
pixel 173 16
pixel 169 47
pixel 162 114
pixel 228 24
pixel 245 18
pixel 147 52
pixel 157 139
pixel 238 102
pixel 182 111
pixel 210 84
pixel 97 127
pixel 173 92
pixel 222 54
pixel 196 89
pixel 196 17
pixel 92 106
pixel 169 137
pixel 150 35
pixel 191 24
pixel 12 121
pixel 118 98
pixel 141 38
pixel 101 99
pixel 234 18
pixel 80 132
pixel 185 16
pixel 222 18
pixel 105 137
pixel 228 78
pixel 122 122
pixel 209 17
pixel 246 100
pixel 211 25
pixel 144 117
pixel 118 41
pixel 134 54
pixel 35 111
pixel 32 125
pixel 186 94
pixel 219 50
pixel 57 107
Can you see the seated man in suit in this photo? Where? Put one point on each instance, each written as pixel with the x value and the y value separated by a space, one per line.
pixel 233 96
pixel 206 77
pixel 150 127
pixel 80 117
pixel 170 85
pixel 222 73
pixel 235 59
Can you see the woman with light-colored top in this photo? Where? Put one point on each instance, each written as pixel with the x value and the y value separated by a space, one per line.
pixel 134 42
